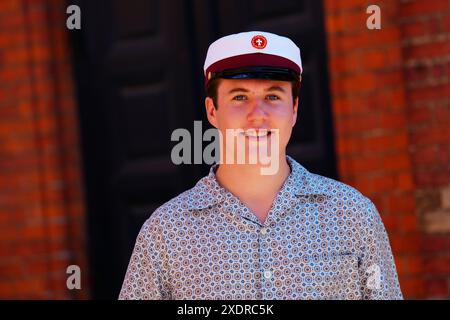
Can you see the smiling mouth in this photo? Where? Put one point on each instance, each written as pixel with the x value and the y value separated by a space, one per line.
pixel 254 133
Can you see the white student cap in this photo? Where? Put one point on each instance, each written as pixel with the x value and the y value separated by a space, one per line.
pixel 253 55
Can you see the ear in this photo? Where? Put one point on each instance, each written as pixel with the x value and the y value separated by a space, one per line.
pixel 211 111
pixel 295 112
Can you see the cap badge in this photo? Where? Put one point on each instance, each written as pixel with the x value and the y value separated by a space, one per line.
pixel 259 42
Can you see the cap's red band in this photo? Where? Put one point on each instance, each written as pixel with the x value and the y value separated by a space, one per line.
pixel 251 59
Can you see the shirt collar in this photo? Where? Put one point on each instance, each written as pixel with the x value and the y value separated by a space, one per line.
pixel 208 192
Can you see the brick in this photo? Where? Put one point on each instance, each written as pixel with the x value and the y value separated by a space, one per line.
pixel 406 243
pixel 437 288
pixel 425 155
pixel 12 22
pixel 374 59
pixel 41 53
pixel 15 56
pixel 376 143
pixel 436 243
pixel 37 13
pixel 342 64
pixel 11 270
pixel 428 136
pixel 415 265
pixel 407 223
pixel 387 142
pixel 335 23
pixel 421 75
pixel 437 221
pixel 356 20
pixel 442 116
pixel 346 146
pixel 28 248
pixel 421 8
pixel 420 115
pixel 384 38
pixel 405 181
pixel 416 29
pixel 10 6
pixel 389 220
pixel 409 265
pixel 57 230
pixel 429 93
pixel 437 265
pixel 14 38
pixel 358 83
pixel 427 50
pixel 364 163
pixel 412 287
pixel 353 125
pixel 337 6
pixel 425 177
pixel 31 287
pixel 382 183
pixel 400 204
pixel 388 99
pixel 393 119
pixel 446 23
pixel 395 162
pixel 389 78
pixel 445 197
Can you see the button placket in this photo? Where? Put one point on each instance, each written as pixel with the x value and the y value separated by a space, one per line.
pixel 266 267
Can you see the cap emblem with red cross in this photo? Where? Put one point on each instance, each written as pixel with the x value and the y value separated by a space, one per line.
pixel 259 42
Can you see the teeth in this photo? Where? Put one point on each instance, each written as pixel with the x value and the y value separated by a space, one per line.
pixel 259 133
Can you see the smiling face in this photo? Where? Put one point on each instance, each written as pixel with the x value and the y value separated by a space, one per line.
pixel 254 104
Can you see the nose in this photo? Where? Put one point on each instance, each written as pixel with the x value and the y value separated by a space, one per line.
pixel 257 111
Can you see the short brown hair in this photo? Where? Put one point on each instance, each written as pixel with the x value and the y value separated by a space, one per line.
pixel 211 90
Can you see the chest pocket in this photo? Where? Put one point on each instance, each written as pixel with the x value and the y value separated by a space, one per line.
pixel 330 277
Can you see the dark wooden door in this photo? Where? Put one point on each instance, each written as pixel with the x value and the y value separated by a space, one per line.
pixel 138 66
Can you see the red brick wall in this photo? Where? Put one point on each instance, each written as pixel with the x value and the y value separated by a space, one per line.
pixel 41 201
pixel 425 29
pixel 390 100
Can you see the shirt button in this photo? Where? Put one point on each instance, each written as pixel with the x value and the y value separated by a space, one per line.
pixel 267 274
pixel 264 231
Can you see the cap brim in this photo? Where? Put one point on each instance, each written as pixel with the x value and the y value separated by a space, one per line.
pixel 257 72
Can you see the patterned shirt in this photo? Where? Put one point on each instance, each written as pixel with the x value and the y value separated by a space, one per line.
pixel 322 239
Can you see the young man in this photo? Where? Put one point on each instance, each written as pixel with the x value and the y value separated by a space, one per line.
pixel 242 234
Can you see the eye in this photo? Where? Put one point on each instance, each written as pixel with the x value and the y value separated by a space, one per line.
pixel 273 97
pixel 240 97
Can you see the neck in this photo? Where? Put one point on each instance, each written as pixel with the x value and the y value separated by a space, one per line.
pixel 246 181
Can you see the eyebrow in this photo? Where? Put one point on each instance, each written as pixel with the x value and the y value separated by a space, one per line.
pixel 237 90
pixel 273 88
pixel 276 88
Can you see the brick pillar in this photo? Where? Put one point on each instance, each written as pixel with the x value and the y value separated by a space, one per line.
pixel 42 216
pixel 425 29
pixel 370 111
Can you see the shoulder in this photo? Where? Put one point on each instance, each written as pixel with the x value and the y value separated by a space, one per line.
pixel 182 207
pixel 334 188
pixel 307 183
pixel 173 209
pixel 341 196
